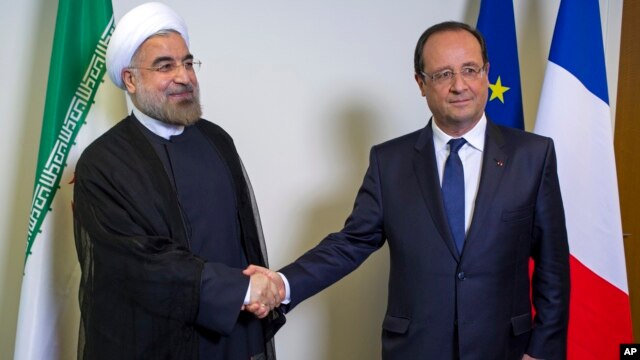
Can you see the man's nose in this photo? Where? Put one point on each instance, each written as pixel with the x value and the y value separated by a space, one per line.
pixel 459 83
pixel 181 75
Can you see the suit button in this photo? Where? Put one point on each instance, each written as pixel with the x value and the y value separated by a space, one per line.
pixel 461 275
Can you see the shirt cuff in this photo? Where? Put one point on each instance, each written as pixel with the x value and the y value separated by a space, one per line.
pixel 247 296
pixel 287 290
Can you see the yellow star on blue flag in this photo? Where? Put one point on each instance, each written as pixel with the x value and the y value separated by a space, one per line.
pixel 498 90
pixel 497 24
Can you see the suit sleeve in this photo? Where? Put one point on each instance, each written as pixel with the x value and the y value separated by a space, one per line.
pixel 550 253
pixel 342 252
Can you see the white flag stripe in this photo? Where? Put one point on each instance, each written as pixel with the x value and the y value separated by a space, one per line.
pixel 580 124
pixel 49 328
pixel 51 297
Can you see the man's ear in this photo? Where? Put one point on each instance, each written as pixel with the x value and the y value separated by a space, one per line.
pixel 128 78
pixel 421 84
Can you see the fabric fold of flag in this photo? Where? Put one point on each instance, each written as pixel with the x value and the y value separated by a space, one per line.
pixel 49 315
pixel 574 111
pixel 497 24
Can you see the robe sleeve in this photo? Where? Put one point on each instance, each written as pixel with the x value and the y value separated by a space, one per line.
pixel 222 295
pixel 140 289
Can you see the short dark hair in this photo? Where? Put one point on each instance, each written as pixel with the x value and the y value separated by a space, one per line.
pixel 418 62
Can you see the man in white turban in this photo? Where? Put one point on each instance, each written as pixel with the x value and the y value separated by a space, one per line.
pixel 165 218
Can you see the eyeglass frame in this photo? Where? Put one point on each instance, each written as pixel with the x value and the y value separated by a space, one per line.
pixel 476 74
pixel 171 67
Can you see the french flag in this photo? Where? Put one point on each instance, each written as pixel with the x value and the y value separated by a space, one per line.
pixel 574 111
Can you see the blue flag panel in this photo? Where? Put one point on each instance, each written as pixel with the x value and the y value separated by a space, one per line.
pixel 497 23
pixel 577 45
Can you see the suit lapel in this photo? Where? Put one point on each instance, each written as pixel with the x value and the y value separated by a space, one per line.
pixel 425 167
pixel 494 162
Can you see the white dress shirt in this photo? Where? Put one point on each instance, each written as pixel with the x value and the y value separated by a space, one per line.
pixel 471 156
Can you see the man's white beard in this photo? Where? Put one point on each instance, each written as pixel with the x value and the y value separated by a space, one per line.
pixel 185 112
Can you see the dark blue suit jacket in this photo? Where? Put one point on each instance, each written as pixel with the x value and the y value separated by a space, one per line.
pixel 484 293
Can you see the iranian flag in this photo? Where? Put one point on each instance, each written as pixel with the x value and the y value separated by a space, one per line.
pixel 574 111
pixel 78 108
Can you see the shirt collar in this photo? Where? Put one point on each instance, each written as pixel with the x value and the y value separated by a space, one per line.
pixel 474 137
pixel 157 127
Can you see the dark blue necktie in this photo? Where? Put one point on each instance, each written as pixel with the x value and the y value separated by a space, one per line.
pixel 453 192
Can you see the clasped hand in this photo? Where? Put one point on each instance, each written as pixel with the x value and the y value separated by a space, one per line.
pixel 267 290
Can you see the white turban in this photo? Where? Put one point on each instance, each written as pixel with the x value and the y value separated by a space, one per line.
pixel 133 29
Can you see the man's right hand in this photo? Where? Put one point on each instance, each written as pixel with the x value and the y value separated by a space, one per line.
pixel 264 295
pixel 267 290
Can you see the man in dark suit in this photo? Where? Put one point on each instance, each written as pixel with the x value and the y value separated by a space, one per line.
pixel 462 219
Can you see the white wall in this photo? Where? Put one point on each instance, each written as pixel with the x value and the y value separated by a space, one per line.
pixel 305 89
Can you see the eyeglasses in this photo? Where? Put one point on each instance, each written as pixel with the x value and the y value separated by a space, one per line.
pixel 469 73
pixel 169 67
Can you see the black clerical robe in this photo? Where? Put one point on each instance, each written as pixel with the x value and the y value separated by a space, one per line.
pixel 143 283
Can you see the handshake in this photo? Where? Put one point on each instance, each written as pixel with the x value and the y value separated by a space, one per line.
pixel 267 290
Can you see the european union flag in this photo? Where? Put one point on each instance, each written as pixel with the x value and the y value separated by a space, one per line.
pixel 496 22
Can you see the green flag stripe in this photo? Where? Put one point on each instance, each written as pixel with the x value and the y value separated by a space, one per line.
pixel 48 176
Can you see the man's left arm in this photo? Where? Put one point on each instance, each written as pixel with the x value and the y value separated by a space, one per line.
pixel 550 253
